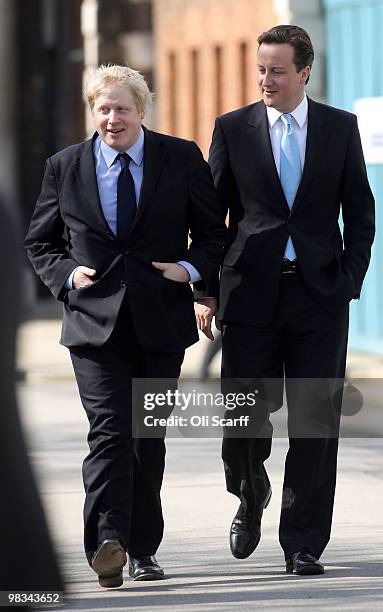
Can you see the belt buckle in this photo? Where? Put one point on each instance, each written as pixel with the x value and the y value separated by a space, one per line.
pixel 292 264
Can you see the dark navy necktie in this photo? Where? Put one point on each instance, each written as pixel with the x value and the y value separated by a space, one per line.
pixel 126 198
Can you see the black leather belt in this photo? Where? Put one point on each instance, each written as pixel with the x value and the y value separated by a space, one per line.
pixel 289 266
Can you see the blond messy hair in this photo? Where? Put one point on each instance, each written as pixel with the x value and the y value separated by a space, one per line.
pixel 108 75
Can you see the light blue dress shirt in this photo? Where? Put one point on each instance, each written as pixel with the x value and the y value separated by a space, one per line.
pixel 107 172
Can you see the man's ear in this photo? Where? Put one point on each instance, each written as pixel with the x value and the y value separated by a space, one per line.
pixel 305 74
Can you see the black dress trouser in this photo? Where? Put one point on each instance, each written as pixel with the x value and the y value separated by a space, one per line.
pixel 302 343
pixel 122 476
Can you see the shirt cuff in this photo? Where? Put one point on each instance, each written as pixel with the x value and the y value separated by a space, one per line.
pixel 193 273
pixel 69 280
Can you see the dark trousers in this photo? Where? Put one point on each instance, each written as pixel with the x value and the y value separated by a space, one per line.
pixel 122 476
pixel 302 342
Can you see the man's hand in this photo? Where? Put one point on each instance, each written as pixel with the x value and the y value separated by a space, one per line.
pixel 205 309
pixel 172 271
pixel 83 277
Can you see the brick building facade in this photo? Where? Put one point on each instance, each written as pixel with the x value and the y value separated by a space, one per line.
pixel 205 57
pixel 205 61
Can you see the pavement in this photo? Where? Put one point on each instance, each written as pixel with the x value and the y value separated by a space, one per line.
pixel 42 358
pixel 201 573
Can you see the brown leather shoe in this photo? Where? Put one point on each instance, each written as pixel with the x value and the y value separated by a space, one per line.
pixel 107 562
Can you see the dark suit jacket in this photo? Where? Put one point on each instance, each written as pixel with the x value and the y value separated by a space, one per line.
pixel 68 229
pixel 334 178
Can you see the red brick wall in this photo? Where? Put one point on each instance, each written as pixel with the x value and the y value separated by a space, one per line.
pixel 206 74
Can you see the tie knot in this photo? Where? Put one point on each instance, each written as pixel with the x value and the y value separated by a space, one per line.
pixel 124 159
pixel 287 121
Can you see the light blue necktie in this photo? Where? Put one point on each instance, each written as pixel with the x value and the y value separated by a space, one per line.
pixel 290 170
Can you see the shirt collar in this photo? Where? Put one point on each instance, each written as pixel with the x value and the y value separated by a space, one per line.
pixel 136 151
pixel 299 113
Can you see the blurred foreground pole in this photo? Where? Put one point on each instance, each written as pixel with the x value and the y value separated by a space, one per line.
pixel 27 560
pixel 9 102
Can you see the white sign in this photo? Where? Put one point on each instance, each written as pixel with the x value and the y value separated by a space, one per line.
pixel 370 121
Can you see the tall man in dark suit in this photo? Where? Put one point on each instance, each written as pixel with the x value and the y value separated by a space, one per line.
pixel 285 167
pixel 109 237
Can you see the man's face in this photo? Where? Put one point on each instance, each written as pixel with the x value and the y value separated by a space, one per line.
pixel 282 87
pixel 116 117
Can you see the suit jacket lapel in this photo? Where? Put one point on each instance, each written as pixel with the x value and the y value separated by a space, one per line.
pixel 88 180
pixel 317 139
pixel 259 129
pixel 154 156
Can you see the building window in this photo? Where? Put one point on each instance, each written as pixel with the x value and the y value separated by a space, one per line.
pixel 218 79
pixel 195 94
pixel 243 71
pixel 172 118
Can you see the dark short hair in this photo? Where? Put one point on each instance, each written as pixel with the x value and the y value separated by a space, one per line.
pixel 296 37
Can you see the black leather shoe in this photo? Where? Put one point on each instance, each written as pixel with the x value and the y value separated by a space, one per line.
pixel 245 530
pixel 145 568
pixel 303 564
pixel 107 562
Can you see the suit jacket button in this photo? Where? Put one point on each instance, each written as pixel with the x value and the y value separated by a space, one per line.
pixel 122 283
